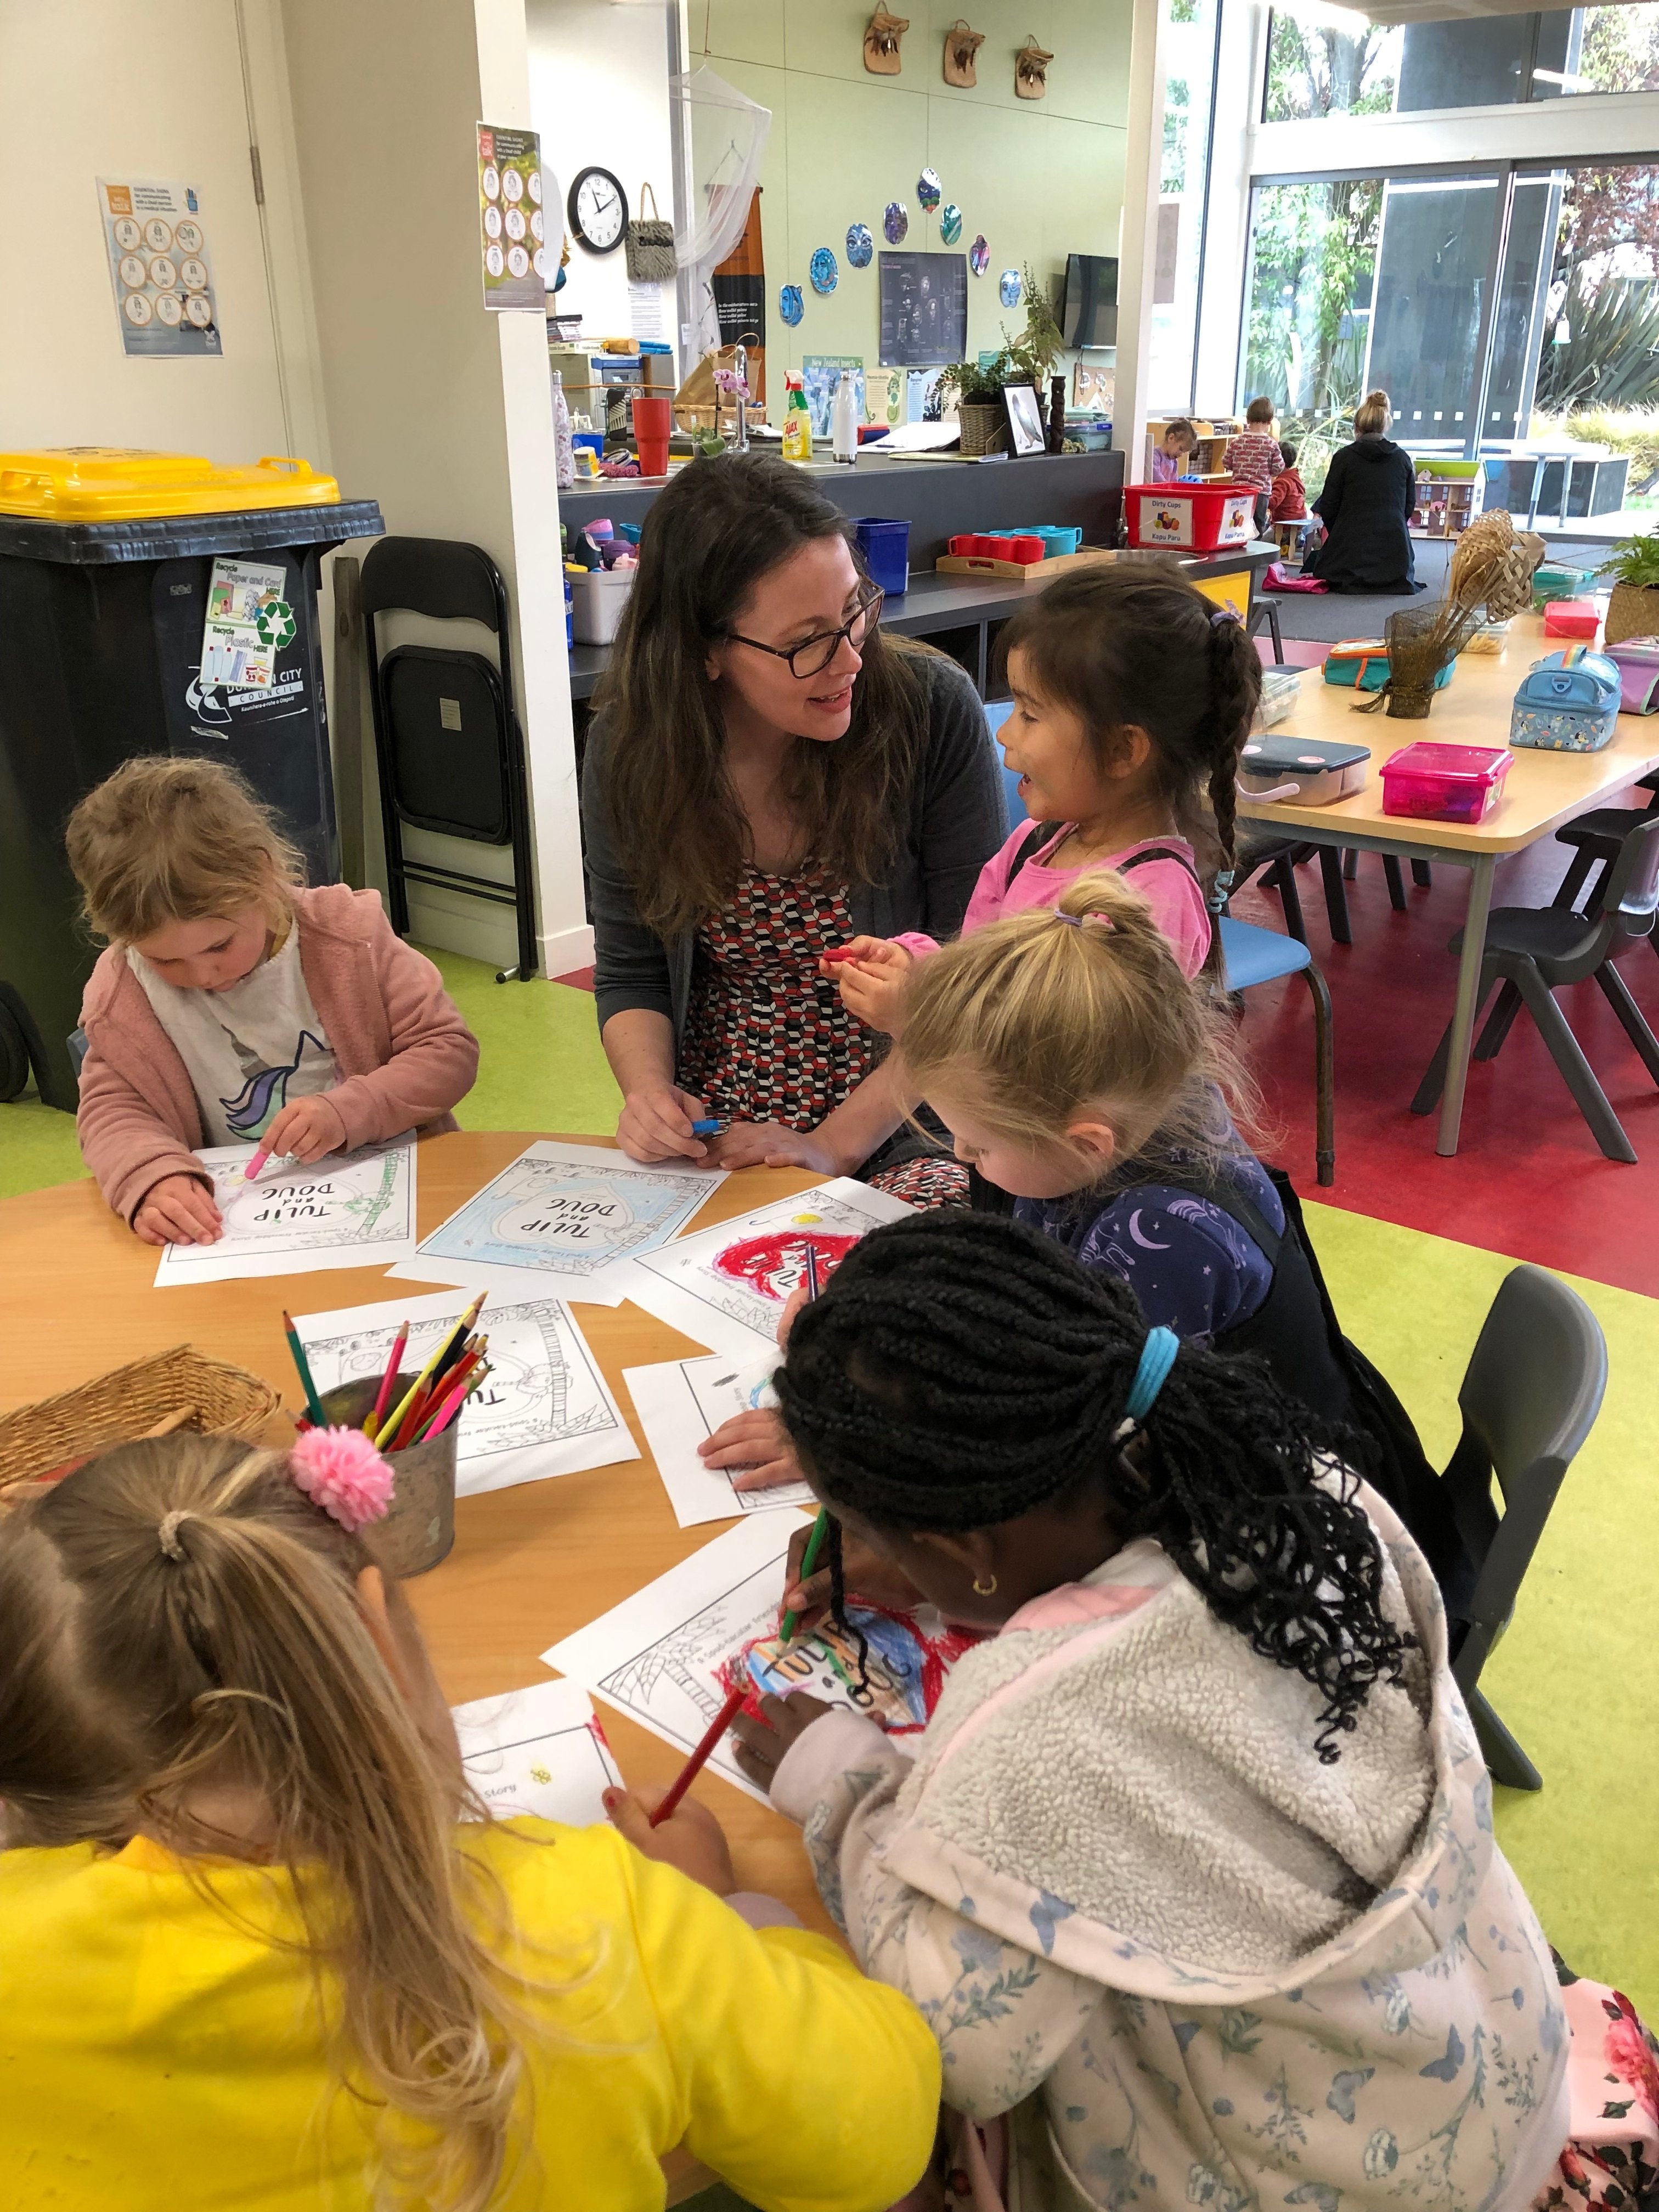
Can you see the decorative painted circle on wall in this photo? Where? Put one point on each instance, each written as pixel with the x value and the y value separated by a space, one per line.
pixel 896 223
pixel 1009 287
pixel 824 270
pixel 929 190
pixel 950 223
pixel 979 256
pixel 859 246
pixel 791 306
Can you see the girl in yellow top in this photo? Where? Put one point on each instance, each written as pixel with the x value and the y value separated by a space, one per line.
pixel 258 1949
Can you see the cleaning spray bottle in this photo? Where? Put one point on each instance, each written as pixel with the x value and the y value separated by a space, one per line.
pixel 797 423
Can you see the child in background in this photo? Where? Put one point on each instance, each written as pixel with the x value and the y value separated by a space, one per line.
pixel 1288 501
pixel 1256 459
pixel 1171 453
pixel 1133 695
pixel 233 1005
pixel 1194 1871
pixel 260 1945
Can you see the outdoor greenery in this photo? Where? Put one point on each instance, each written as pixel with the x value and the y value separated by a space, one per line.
pixel 1603 347
pixel 1314 71
pixel 1633 431
pixel 1314 249
pixel 1635 561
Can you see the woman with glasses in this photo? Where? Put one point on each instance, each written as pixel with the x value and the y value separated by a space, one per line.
pixel 768 774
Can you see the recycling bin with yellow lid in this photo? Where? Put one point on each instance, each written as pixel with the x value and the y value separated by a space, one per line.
pixel 107 562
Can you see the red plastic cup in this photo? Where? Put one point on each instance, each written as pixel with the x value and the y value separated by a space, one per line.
pixel 996 547
pixel 1028 551
pixel 653 424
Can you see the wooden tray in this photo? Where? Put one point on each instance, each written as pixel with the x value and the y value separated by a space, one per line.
pixel 1021 572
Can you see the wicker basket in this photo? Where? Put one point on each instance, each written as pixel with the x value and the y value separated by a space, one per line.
pixel 221 1401
pixel 1632 612
pixel 983 426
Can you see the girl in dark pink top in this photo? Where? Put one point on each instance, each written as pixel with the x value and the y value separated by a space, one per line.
pixel 1133 695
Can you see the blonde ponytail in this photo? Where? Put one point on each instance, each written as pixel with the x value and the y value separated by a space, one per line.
pixel 1373 418
pixel 179 1612
pixel 1042 1014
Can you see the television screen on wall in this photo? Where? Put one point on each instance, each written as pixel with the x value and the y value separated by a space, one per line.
pixel 1088 316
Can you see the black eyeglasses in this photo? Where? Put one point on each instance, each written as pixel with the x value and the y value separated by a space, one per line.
pixel 814 655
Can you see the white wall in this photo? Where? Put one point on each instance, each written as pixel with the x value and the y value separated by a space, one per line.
pixel 435 407
pixel 598 95
pixel 92 88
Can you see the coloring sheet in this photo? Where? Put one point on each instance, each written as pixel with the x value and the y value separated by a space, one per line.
pixel 350 1210
pixel 544 1409
pixel 683 1401
pixel 726 1286
pixel 553 1222
pixel 539 1750
pixel 667 1654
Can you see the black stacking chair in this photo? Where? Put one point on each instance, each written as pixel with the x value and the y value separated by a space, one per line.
pixel 1597 838
pixel 1537 949
pixel 1530 1395
pixel 446 732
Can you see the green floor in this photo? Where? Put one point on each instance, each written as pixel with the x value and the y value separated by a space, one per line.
pixel 1569 1677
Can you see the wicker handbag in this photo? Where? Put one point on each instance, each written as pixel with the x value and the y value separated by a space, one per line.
pixel 211 1397
pixel 648 243
pixel 1632 612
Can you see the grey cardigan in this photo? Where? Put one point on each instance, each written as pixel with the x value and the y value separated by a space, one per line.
pixel 954 823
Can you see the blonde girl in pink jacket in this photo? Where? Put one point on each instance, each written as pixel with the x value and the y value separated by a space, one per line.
pixel 232 1005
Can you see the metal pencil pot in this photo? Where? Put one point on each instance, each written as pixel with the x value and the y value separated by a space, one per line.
pixel 420 1529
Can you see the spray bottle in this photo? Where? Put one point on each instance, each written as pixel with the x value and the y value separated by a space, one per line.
pixel 797 423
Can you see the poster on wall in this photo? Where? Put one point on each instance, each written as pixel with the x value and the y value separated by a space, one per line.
pixel 512 224
pixel 820 377
pixel 160 266
pixel 924 309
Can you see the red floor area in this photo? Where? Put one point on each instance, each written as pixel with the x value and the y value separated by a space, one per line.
pixel 1528 1179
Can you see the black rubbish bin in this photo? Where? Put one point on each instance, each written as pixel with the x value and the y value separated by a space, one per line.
pixel 100 651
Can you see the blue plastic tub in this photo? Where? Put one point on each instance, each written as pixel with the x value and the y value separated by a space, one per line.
pixel 886 550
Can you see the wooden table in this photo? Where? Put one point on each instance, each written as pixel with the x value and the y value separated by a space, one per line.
pixel 1543 791
pixel 530 1564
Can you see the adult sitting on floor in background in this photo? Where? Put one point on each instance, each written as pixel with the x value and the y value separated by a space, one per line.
pixel 1370 490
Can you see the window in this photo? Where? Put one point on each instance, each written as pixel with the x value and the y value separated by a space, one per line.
pixel 1327 60
pixel 1191 27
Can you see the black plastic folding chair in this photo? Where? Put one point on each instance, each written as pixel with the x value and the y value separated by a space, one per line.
pixel 446 733
pixel 1530 1395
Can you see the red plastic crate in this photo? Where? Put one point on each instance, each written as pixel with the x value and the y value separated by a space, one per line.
pixel 1190 517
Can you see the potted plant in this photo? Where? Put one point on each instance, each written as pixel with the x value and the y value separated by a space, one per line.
pixel 978 388
pixel 1633 606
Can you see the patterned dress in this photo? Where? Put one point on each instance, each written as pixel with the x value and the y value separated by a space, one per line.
pixel 768 1039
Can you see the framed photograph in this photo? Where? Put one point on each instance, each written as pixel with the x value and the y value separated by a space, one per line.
pixel 1026 433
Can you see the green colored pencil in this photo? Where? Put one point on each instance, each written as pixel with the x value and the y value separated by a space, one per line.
pixel 808 1561
pixel 313 1408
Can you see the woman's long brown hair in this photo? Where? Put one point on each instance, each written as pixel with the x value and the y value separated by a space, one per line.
pixel 130 1676
pixel 680 832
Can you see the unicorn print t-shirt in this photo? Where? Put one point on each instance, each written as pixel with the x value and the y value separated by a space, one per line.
pixel 249 1049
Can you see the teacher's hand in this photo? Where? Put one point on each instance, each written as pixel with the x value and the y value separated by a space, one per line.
pixel 656 1124
pixel 770 1145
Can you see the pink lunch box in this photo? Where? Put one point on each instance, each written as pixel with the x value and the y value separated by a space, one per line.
pixel 1572 619
pixel 1444 783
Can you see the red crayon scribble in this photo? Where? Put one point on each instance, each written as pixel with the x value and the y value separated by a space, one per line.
pixel 776 1265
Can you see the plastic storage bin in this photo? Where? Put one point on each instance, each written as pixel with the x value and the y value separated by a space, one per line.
pixel 1444 783
pixel 1318 771
pixel 1572 619
pixel 886 549
pixel 1195 517
pixel 105 562
pixel 598 598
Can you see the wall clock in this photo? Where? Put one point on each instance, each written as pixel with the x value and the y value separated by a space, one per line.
pixel 598 208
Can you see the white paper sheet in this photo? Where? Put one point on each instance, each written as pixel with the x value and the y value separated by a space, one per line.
pixel 726 1287
pixel 539 1750
pixel 664 1655
pixel 350 1210
pixel 680 1403
pixel 554 1222
pixel 544 1409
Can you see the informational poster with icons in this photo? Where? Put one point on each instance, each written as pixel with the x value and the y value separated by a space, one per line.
pixel 513 222
pixel 160 266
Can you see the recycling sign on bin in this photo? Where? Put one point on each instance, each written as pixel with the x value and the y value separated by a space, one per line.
pixel 248 622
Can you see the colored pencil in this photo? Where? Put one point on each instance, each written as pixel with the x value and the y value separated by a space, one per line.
pixel 314 1406
pixel 460 1331
pixel 452 1405
pixel 371 1425
pixel 808 1561
pixel 699 1759
pixel 811 1271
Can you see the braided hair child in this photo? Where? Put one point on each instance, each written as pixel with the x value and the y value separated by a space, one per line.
pixel 1188 1869
pixel 1133 694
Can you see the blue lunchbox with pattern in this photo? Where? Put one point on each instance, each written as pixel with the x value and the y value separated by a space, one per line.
pixel 1568 703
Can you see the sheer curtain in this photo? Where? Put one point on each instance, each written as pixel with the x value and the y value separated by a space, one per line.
pixel 726 132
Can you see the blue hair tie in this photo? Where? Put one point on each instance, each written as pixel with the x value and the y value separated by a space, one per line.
pixel 1157 1357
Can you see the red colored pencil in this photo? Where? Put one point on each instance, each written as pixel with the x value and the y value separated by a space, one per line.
pixel 371 1425
pixel 699 1759
pixel 448 1406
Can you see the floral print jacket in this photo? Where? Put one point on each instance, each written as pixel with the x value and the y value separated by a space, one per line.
pixel 1195 1965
